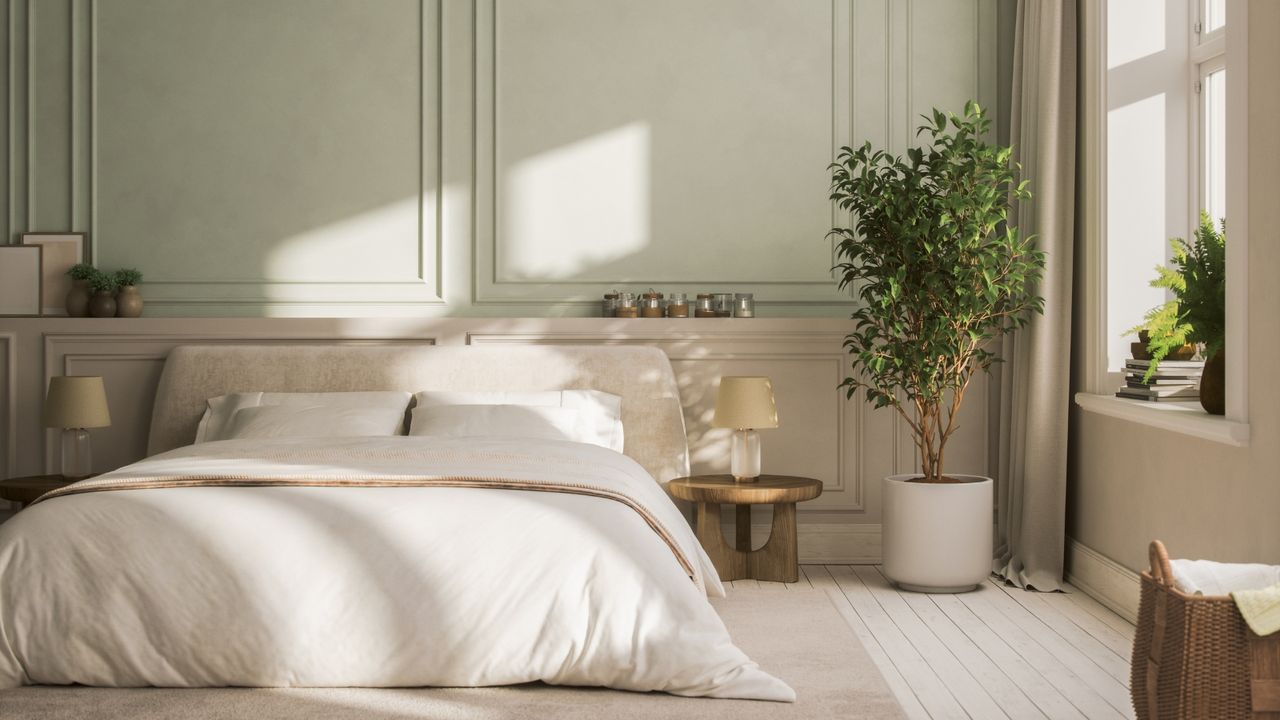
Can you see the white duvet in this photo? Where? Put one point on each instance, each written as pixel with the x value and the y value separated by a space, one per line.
pixel 367 586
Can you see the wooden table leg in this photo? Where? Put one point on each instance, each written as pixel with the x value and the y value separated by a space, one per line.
pixel 730 564
pixel 779 559
pixel 742 537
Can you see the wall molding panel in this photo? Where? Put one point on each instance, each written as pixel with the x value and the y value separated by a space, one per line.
pixel 77 138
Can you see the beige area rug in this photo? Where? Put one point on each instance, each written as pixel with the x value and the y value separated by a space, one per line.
pixel 796 634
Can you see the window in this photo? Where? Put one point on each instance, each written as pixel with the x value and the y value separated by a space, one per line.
pixel 1161 142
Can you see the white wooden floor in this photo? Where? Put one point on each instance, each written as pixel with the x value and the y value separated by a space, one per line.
pixel 993 653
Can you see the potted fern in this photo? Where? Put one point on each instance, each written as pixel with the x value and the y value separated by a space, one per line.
pixel 1197 314
pixel 939 276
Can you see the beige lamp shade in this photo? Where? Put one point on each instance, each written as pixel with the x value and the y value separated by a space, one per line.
pixel 76 402
pixel 745 402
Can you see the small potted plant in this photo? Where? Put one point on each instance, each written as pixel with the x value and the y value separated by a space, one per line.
pixel 128 299
pixel 103 302
pixel 939 275
pixel 1197 314
pixel 78 296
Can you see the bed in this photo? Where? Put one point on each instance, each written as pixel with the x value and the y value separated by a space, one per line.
pixel 396 561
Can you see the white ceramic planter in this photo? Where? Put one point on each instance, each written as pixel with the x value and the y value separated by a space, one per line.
pixel 937 537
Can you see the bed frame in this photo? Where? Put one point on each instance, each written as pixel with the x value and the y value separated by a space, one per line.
pixel 642 376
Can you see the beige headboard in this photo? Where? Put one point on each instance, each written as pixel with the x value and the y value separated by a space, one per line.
pixel 642 376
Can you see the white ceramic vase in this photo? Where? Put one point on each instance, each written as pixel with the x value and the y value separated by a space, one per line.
pixel 937 537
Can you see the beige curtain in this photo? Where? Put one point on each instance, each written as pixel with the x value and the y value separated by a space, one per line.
pixel 1031 397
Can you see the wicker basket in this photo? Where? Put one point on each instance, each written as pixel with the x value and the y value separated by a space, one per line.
pixel 1194 658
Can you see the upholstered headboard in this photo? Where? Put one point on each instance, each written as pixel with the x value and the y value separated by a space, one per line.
pixel 642 376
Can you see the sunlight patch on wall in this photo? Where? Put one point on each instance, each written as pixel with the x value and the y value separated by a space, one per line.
pixel 606 176
pixel 354 249
pixel 1135 29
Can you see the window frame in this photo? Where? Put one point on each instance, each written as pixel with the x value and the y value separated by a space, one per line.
pixel 1228 45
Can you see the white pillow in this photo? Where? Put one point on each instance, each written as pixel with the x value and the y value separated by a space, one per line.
pixel 296 421
pixel 219 411
pixel 599 413
pixel 522 421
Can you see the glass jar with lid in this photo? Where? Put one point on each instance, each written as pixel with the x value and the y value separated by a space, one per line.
pixel 705 306
pixel 677 305
pixel 651 304
pixel 627 306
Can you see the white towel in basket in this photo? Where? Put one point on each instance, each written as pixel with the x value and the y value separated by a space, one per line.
pixel 1204 577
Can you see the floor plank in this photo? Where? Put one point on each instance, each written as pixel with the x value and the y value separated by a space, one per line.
pixel 1119 642
pixel 1006 692
pixel 1044 693
pixel 964 686
pixel 1101 612
pixel 1104 657
pixel 1057 661
pixel 928 687
pixel 995 652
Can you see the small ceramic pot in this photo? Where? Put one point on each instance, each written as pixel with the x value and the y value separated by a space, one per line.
pixel 78 299
pixel 102 304
pixel 129 302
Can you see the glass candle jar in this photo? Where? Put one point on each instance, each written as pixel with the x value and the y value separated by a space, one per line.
pixel 627 306
pixel 723 304
pixel 744 305
pixel 609 305
pixel 705 307
pixel 678 305
pixel 651 304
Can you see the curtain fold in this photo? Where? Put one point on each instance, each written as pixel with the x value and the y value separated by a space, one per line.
pixel 1031 390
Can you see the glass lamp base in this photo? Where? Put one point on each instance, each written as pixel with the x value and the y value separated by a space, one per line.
pixel 77 460
pixel 744 456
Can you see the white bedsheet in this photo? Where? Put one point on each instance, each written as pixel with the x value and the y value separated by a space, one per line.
pixel 365 586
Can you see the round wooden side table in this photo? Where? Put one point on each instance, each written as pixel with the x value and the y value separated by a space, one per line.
pixel 25 490
pixel 779 559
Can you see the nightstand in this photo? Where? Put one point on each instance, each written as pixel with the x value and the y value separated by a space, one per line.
pixel 25 490
pixel 779 559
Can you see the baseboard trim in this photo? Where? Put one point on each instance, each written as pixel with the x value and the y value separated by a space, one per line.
pixel 1103 579
pixel 827 543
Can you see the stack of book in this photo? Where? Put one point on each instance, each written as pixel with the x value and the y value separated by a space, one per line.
pixel 1173 381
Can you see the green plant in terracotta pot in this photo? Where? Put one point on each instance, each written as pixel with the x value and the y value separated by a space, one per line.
pixel 1197 314
pixel 78 297
pixel 103 302
pixel 128 299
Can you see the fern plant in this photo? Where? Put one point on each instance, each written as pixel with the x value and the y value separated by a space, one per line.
pixel 1197 314
pixel 938 272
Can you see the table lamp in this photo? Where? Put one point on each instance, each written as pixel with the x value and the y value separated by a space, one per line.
pixel 73 404
pixel 744 404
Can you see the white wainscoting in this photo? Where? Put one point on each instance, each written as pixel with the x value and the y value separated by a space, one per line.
pixel 845 443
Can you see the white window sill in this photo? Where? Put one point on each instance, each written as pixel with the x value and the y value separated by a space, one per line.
pixel 1187 418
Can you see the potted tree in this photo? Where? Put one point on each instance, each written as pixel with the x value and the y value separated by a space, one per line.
pixel 939 276
pixel 1197 314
